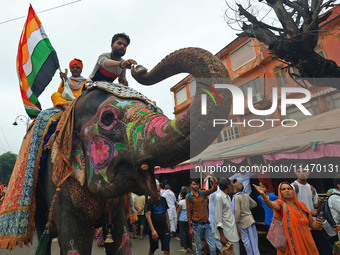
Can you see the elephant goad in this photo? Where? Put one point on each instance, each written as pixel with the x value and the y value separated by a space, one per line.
pixel 118 140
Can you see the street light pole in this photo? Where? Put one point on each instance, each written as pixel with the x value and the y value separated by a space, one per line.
pixel 22 118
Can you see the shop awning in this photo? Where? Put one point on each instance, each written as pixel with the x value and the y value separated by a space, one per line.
pixel 314 137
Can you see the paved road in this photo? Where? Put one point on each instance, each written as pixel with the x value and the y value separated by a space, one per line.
pixel 139 247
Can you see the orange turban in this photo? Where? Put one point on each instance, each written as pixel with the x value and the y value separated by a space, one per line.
pixel 77 62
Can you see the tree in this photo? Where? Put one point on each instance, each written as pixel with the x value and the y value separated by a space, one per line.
pixel 293 36
pixel 7 162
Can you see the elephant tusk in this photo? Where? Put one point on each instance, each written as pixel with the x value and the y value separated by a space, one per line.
pixel 144 167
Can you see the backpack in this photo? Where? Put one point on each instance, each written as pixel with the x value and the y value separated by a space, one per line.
pixel 202 194
pixel 325 211
pixel 296 187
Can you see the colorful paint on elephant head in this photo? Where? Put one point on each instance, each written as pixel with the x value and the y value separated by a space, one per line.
pixel 101 152
pixel 118 125
pixel 158 123
pixel 120 131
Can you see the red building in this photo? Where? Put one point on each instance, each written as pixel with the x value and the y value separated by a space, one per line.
pixel 250 65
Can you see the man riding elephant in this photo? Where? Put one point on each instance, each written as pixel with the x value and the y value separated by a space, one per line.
pixel 70 87
pixel 110 65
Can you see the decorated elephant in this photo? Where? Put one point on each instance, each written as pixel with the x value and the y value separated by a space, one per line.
pixel 119 136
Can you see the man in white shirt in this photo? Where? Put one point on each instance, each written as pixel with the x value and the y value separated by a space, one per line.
pixel 243 178
pixel 225 224
pixel 307 194
pixel 212 197
pixel 334 205
pixel 171 200
pixel 139 205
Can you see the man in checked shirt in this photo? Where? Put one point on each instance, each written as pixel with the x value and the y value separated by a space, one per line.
pixel 198 215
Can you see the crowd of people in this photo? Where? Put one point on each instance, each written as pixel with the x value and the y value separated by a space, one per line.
pixel 221 216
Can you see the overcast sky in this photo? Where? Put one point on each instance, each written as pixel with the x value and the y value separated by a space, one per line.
pixel 84 30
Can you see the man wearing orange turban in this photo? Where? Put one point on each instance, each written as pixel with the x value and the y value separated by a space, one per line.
pixel 69 88
pixel 77 62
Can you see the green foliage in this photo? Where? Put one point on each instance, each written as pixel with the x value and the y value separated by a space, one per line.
pixel 7 162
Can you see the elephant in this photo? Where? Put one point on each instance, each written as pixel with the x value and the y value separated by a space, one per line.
pixel 120 141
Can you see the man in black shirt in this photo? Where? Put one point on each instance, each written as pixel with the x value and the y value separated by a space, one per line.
pixel 158 219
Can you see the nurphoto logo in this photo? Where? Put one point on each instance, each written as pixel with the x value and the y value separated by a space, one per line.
pixel 238 105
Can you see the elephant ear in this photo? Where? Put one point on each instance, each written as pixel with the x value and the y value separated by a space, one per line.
pixel 78 162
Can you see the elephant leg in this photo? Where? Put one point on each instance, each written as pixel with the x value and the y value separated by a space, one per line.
pixel 41 217
pixel 121 244
pixel 75 235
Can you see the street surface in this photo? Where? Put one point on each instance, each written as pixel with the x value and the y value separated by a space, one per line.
pixel 138 247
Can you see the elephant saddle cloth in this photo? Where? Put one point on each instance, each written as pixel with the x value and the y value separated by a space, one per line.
pixel 18 209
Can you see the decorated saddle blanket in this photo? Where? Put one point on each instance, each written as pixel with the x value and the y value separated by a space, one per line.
pixel 18 208
pixel 123 91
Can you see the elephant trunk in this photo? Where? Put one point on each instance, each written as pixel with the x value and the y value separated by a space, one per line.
pixel 173 141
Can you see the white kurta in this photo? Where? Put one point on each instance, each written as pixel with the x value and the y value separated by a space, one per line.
pixel 225 218
pixel 171 200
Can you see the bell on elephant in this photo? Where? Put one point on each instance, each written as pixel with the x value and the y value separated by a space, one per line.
pixel 109 238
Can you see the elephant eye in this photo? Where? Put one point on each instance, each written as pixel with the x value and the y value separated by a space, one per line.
pixel 108 118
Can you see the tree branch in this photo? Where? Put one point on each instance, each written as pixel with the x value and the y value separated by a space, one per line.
pixel 263 35
pixel 328 4
pixel 283 16
pixel 252 19
pixel 315 5
pixel 297 8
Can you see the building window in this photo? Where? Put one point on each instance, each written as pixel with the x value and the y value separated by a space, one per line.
pixel 312 107
pixel 254 84
pixel 296 114
pixel 281 76
pixel 229 133
pixel 318 49
pixel 242 55
pixel 181 95
pixel 192 87
pixel 332 101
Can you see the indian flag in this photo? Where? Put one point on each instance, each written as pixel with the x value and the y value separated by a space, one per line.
pixel 37 62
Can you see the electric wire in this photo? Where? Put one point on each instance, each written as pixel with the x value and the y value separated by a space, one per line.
pixel 5 139
pixel 6 21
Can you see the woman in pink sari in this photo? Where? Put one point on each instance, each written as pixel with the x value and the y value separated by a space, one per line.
pixel 296 221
